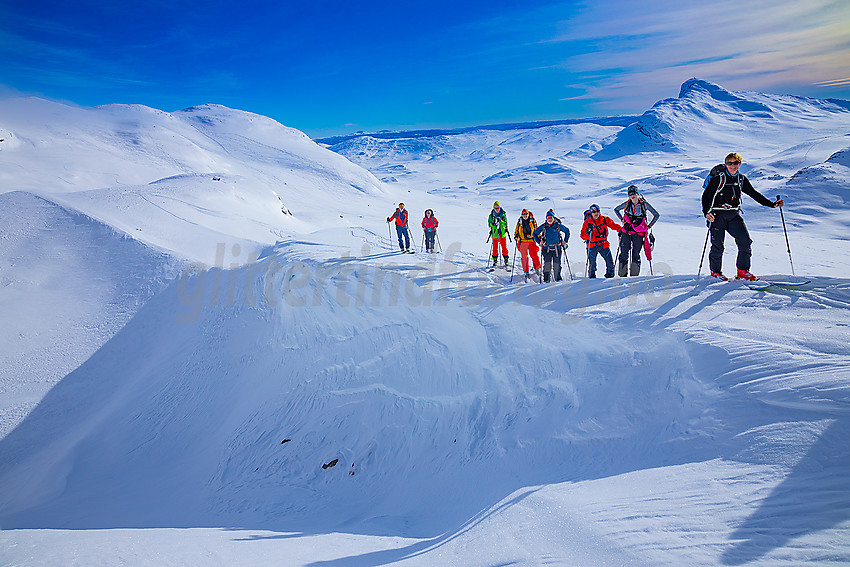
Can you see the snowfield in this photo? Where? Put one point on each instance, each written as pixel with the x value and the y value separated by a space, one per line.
pixel 214 354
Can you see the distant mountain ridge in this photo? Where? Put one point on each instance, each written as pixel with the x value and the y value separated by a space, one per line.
pixel 402 134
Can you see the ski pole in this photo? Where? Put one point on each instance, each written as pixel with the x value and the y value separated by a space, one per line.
pixel 704 246
pixel 437 236
pixel 423 239
pixel 390 234
pixel 513 265
pixel 586 258
pixel 567 258
pixel 787 245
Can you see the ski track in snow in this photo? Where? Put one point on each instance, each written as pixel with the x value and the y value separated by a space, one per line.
pixel 471 418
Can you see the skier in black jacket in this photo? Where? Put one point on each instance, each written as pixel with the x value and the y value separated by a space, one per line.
pixel 721 205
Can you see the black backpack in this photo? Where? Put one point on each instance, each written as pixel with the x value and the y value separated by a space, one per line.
pixel 718 170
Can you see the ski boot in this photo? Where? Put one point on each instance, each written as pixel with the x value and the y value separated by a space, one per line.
pixel 719 276
pixel 745 275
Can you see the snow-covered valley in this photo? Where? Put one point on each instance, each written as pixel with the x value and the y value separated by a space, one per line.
pixel 215 355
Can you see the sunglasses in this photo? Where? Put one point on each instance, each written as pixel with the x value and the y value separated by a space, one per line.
pixel 525 214
pixel 733 162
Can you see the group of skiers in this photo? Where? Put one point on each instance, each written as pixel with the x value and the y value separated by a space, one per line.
pixel 721 206
pixel 429 227
pixel 550 238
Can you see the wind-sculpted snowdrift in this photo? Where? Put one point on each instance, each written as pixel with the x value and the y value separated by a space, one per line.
pixel 227 418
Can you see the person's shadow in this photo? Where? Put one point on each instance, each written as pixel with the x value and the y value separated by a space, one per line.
pixel 814 497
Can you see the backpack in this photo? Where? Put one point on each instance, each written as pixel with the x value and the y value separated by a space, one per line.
pixel 718 170
pixel 635 221
pixel 532 224
pixel 555 224
pixel 600 230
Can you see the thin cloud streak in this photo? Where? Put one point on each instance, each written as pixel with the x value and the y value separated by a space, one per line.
pixel 752 46
pixel 835 83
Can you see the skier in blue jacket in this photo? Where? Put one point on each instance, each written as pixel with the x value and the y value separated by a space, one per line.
pixel 548 236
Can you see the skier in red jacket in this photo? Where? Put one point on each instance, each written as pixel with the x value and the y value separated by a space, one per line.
pixel 594 232
pixel 400 215
pixel 429 225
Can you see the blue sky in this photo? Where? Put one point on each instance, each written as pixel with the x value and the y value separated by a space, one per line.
pixel 329 67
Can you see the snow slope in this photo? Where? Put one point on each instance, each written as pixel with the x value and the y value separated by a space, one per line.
pixel 101 207
pixel 68 284
pixel 335 403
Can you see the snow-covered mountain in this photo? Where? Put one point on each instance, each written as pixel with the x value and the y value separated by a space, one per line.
pixel 179 180
pixel 762 122
pixel 328 401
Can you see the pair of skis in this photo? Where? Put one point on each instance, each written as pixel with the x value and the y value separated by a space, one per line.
pixel 763 285
pixel 760 284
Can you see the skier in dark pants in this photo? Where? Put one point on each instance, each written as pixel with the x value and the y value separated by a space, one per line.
pixel 721 205
pixel 636 225
pixel 548 236
pixel 429 226
pixel 400 216
pixel 595 232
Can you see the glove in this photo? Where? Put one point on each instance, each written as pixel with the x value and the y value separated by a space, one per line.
pixel 389 219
